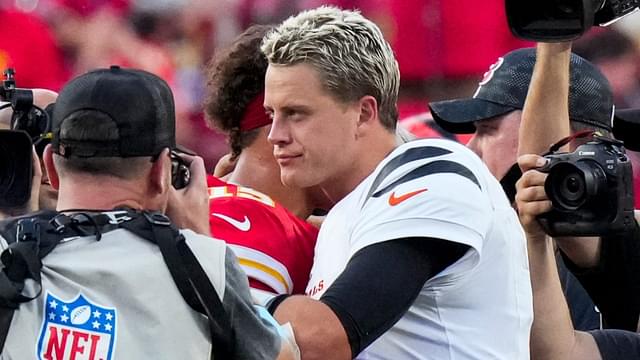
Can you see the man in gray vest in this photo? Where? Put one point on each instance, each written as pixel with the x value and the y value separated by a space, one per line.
pixel 109 290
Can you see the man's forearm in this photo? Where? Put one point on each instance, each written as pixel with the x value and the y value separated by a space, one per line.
pixel 545 116
pixel 318 331
pixel 552 333
pixel 582 251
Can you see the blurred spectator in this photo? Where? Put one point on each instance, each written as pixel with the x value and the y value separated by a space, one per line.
pixel 431 39
pixel 97 34
pixel 86 8
pixel 28 46
pixel 264 11
pixel 167 38
pixel 618 57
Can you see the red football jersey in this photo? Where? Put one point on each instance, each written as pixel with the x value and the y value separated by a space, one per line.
pixel 274 247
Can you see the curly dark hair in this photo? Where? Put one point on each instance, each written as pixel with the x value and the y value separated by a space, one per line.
pixel 235 76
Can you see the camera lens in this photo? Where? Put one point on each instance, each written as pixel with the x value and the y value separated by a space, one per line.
pixel 567 187
pixel 573 186
pixel 570 186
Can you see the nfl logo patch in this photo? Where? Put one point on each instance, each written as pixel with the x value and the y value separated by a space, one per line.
pixel 77 329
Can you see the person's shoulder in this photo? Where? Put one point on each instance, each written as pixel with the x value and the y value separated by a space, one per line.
pixel 210 247
pixel 191 235
pixel 202 242
pixel 7 226
pixel 43 214
pixel 213 181
pixel 423 157
pixel 433 150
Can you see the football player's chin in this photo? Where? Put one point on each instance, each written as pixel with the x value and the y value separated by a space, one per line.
pixel 292 179
pixel 288 178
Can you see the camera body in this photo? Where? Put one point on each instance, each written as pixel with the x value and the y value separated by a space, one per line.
pixel 16 168
pixel 180 174
pixel 591 190
pixel 28 125
pixel 561 20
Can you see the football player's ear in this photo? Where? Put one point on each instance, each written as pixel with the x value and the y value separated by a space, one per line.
pixel 368 110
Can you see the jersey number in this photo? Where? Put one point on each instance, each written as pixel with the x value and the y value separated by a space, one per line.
pixel 239 191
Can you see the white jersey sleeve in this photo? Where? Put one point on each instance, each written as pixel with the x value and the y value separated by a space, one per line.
pixel 428 190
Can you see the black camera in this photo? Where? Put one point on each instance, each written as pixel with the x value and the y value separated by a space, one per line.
pixel 180 174
pixel 560 20
pixel 29 126
pixel 591 190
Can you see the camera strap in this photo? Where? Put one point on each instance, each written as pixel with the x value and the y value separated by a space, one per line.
pixel 35 237
pixel 564 141
pixel 21 260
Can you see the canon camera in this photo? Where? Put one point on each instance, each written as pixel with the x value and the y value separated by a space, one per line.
pixel 591 190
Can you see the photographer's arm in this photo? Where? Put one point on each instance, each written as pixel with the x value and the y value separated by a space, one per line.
pixel 552 333
pixel 545 116
pixel 545 121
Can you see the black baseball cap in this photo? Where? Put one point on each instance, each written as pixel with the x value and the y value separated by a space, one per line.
pixel 139 103
pixel 504 89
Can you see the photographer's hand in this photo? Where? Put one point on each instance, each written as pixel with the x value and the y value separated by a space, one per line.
pixel 189 207
pixel 531 199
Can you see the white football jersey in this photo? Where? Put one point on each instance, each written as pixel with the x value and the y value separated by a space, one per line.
pixel 478 308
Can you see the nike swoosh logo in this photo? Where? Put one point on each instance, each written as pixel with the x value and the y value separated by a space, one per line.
pixel 244 225
pixel 395 200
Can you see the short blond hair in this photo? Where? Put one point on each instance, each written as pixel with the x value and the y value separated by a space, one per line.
pixel 349 52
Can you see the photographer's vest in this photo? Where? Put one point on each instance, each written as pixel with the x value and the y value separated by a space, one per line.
pixel 104 287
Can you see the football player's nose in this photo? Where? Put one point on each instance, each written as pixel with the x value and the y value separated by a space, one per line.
pixel 279 133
